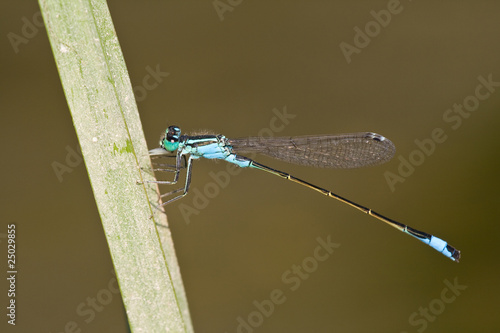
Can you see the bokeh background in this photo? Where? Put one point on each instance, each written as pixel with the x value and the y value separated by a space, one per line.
pixel 228 69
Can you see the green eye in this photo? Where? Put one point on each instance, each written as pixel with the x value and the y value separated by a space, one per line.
pixel 170 141
pixel 170 146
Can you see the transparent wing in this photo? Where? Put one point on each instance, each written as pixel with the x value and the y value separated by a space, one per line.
pixel 322 151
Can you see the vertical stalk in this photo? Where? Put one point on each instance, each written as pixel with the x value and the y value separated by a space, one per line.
pixel 107 123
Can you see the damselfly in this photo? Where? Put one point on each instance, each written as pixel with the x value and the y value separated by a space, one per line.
pixel 321 151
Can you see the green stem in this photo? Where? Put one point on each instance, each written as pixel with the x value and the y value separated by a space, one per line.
pixel 107 123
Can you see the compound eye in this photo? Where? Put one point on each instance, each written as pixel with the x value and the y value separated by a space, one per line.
pixel 173 134
pixel 170 140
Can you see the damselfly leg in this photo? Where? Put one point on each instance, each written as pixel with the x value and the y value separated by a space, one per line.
pixel 181 163
pixel 166 167
pixel 186 185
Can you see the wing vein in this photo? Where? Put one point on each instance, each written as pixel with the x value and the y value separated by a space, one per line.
pixel 352 150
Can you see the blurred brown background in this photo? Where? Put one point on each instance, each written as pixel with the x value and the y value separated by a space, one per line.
pixel 227 71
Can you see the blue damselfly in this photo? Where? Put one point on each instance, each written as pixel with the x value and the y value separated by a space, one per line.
pixel 321 151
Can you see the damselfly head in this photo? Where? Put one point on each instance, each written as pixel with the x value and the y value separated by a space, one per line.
pixel 170 140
